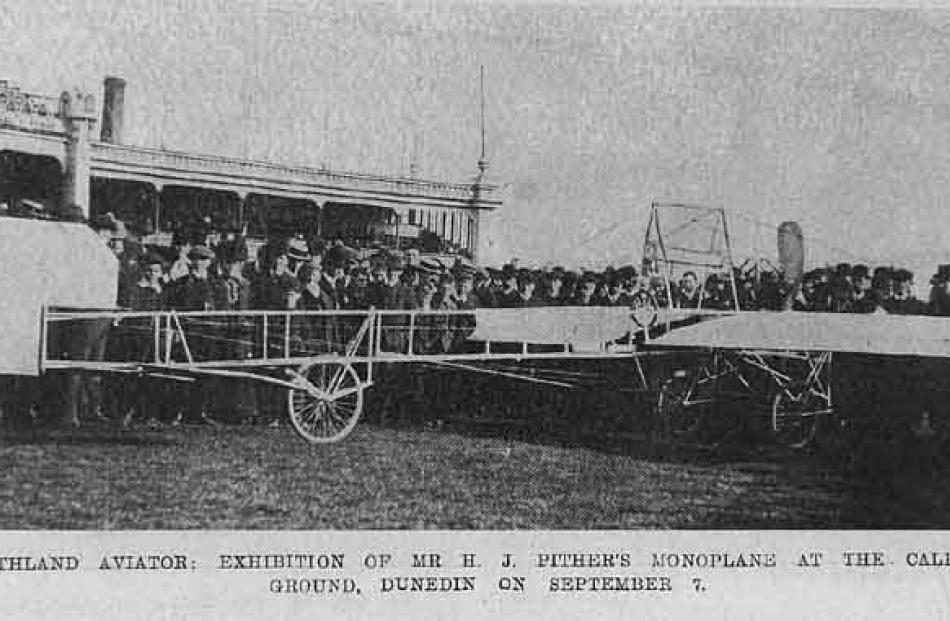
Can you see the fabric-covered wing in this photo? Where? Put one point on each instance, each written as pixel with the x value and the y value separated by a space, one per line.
pixel 47 264
pixel 584 328
pixel 880 334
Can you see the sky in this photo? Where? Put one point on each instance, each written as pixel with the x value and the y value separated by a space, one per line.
pixel 836 118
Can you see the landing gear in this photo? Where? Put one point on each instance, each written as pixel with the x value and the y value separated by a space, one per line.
pixel 795 416
pixel 328 403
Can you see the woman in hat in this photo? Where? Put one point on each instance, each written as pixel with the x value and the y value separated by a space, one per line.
pixel 317 331
pixel 282 287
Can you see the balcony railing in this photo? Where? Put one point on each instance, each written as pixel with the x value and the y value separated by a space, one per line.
pixel 27 111
pixel 222 165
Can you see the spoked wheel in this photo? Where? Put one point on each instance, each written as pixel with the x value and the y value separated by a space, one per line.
pixel 682 405
pixel 328 403
pixel 796 413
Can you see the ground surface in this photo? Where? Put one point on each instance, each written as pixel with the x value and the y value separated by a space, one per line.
pixel 457 451
pixel 262 478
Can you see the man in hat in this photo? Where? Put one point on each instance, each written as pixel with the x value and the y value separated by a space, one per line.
pixel 357 291
pixel 180 265
pixel 316 292
pixel 443 336
pixel 199 291
pixel 114 234
pixel 616 295
pixel 586 288
pixel 903 302
pixel 485 287
pixel 337 261
pixel 554 282
pixel 804 299
pixel 688 293
pixel 717 293
pixel 508 296
pixel 527 283
pixel 823 298
pixel 297 253
pixel 236 398
pixel 465 297
pixel 235 289
pixel 939 294
pixel 379 284
pixel 149 295
pixel 864 299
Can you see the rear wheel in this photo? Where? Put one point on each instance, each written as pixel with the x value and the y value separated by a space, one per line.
pixel 795 417
pixel 682 404
pixel 328 403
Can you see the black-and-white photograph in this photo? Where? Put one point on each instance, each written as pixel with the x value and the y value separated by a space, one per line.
pixel 499 265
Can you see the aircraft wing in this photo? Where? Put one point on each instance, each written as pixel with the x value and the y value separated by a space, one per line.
pixel 878 334
pixel 585 328
pixel 46 263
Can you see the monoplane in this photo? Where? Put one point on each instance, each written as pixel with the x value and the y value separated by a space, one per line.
pixel 326 360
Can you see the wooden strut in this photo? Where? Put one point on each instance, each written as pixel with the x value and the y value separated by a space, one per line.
pixel 365 348
pixel 466 367
pixel 181 334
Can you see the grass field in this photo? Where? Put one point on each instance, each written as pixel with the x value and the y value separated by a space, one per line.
pixel 479 454
pixel 256 477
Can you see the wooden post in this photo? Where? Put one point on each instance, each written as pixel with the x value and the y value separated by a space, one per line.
pixel 264 353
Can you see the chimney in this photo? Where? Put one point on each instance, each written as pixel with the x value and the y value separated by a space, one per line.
pixel 113 104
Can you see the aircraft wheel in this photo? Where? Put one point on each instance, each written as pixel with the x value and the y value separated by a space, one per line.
pixel 328 404
pixel 681 410
pixel 795 417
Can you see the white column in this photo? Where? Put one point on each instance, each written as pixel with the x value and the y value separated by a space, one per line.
pixel 79 114
pixel 476 229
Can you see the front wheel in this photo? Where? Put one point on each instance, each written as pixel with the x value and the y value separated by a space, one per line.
pixel 328 403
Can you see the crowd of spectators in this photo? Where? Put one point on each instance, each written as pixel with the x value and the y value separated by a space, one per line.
pixel 222 272
pixel 294 274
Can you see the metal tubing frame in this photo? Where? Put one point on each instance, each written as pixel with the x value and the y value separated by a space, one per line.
pixel 172 325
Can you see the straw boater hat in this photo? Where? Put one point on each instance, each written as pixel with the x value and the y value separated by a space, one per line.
pixel 297 250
